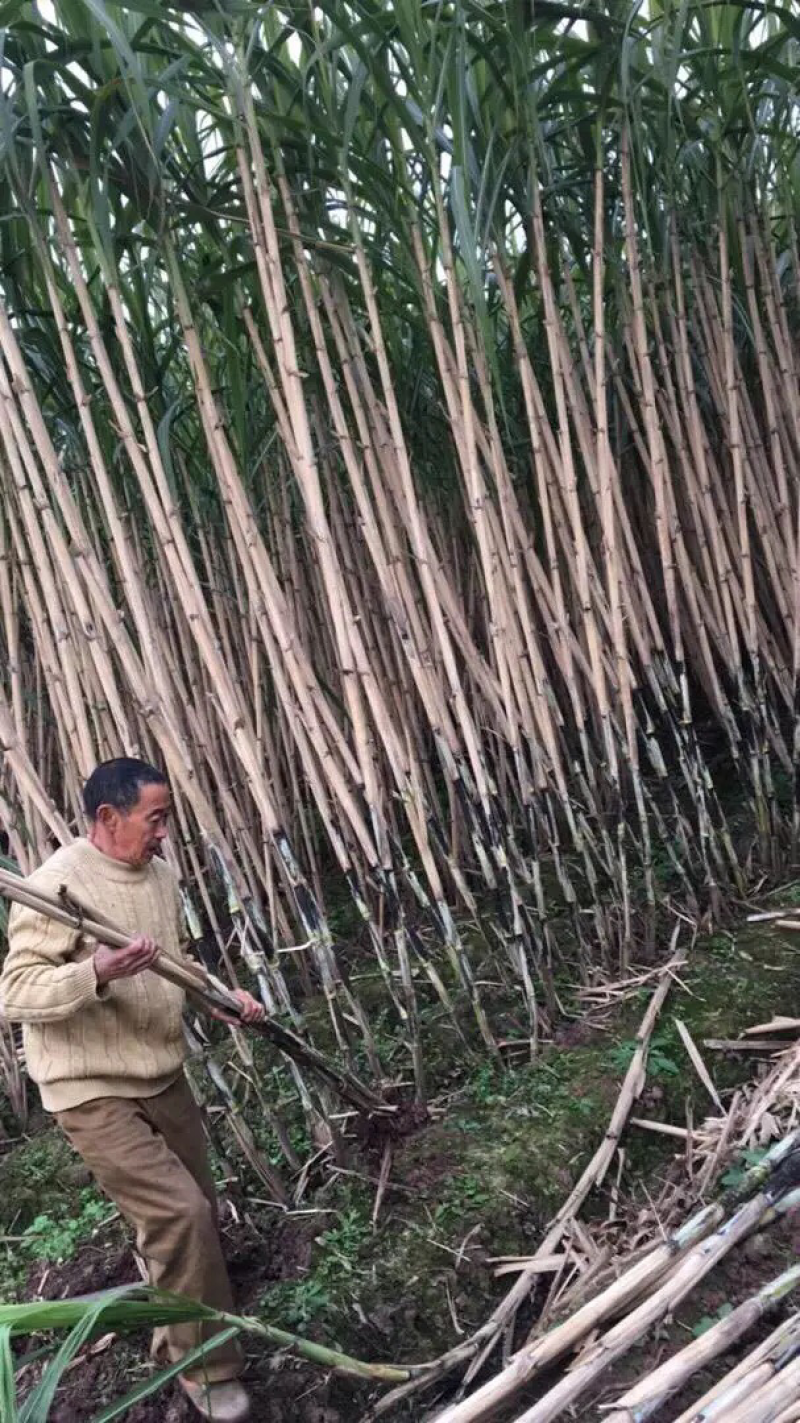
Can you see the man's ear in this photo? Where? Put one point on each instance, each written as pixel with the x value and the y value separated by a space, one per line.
pixel 106 816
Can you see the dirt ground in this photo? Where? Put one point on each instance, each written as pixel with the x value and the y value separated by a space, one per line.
pixel 302 1395
pixel 476 1177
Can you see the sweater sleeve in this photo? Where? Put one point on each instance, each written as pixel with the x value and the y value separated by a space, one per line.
pixel 38 984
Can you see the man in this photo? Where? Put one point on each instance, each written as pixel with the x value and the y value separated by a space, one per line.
pixel 104 1042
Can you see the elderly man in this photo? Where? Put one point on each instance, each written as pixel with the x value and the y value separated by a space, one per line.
pixel 104 1042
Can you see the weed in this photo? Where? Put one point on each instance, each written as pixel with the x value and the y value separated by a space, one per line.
pixel 468 1124
pixel 53 1239
pixel 745 1160
pixel 35 1177
pixel 296 1302
pixel 466 1195
pixel 660 1062
pixel 344 1240
pixel 709 1320
pixel 482 1085
pixel 56 1240
pixel 337 1261
pixel 719 943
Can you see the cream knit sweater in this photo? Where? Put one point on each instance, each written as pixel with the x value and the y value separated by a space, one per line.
pixel 82 1041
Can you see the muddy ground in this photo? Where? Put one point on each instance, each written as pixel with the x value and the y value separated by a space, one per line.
pixel 479 1177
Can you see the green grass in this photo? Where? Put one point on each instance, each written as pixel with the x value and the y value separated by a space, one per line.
pixel 337 1268
pixel 51 1238
pixel 37 1176
pixel 48 1206
pixel 661 1061
pixel 56 1238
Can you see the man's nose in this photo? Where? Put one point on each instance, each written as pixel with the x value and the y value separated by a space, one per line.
pixel 162 832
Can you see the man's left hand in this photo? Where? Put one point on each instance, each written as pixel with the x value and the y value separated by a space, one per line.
pixel 252 1010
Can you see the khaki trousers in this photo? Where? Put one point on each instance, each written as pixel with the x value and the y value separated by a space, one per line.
pixel 148 1154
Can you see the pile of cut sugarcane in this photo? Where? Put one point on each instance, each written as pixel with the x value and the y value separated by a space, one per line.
pixel 606 1307
pixel 608 1326
pixel 764 1385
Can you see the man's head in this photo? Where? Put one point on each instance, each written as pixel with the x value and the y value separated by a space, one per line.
pixel 128 805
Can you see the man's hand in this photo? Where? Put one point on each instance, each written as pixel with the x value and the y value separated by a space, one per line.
pixel 124 963
pixel 252 1010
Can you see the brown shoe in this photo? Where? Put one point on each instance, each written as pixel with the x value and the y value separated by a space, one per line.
pixel 222 1402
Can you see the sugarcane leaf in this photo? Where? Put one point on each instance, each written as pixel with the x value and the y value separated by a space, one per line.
pixel 127 1306
pixel 117 36
pixel 8 1398
pixel 36 1407
pixel 467 240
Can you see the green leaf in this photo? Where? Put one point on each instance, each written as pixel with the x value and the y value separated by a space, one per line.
pixel 709 1320
pixel 8 1399
pixel 129 1306
pixel 36 1407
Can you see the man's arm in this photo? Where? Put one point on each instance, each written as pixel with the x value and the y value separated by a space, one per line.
pixel 38 983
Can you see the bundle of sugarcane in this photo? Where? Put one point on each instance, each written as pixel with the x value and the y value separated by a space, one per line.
pixel 745 1382
pixel 207 991
pixel 652 1392
pixel 643 1296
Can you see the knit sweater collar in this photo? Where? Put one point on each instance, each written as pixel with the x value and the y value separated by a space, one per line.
pixel 111 869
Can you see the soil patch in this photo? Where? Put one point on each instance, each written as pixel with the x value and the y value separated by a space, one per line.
pixel 258 1256
pixel 100 1265
pixel 277 1398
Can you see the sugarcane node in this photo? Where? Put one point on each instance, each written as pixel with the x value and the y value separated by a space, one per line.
pixel 254 921
pixel 785 1176
pixel 71 905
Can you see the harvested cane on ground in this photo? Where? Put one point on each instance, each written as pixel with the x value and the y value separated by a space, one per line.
pixel 657 1282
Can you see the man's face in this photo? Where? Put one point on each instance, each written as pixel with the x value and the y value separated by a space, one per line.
pixel 135 835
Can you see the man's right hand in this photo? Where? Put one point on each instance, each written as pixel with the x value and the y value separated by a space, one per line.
pixel 124 963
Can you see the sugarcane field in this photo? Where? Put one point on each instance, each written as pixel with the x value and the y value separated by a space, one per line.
pixel 400 711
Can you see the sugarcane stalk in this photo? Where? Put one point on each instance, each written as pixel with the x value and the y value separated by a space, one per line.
pixel 669 1257
pixel 121 1311
pixel 205 989
pixel 768 1399
pixel 613 1345
pixel 528 1365
pixel 652 1393
pixel 234 1119
pixel 728 1391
